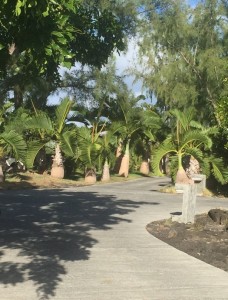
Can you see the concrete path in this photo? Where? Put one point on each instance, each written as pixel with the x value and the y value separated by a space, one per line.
pixel 90 243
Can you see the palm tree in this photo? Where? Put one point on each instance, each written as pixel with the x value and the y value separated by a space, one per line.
pixel 11 143
pixel 63 136
pixel 88 152
pixel 131 124
pixel 107 141
pixel 183 142
pixel 151 123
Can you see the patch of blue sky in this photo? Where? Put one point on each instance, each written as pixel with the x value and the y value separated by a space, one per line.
pixel 193 3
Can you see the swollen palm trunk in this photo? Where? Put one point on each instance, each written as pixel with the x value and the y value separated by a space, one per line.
pixel 119 157
pixel 90 176
pixel 105 173
pixel 144 168
pixel 182 177
pixel 57 169
pixel 124 167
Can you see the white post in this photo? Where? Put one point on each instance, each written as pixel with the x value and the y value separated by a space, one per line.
pixel 189 203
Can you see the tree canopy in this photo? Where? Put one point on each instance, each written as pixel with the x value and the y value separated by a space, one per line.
pixel 184 53
pixel 37 37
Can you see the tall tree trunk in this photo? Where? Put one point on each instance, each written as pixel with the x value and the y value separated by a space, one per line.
pixel 57 169
pixel 119 157
pixel 106 172
pixel 124 167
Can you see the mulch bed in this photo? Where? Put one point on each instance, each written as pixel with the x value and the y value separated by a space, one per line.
pixel 206 239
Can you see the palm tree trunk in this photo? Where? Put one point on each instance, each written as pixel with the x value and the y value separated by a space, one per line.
pixel 119 157
pixel 106 172
pixel 124 167
pixel 57 169
pixel 90 176
pixel 144 168
pixel 181 174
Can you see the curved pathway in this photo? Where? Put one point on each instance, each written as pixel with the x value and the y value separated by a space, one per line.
pixel 90 243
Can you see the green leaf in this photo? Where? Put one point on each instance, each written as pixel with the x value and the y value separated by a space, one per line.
pixel 197 138
pixel 41 121
pixel 48 51
pixel 33 148
pixel 218 170
pixel 163 149
pixel 15 142
pixel 67 64
pixel 18 8
pixel 69 144
pixel 57 33
pixel 62 112
pixel 195 152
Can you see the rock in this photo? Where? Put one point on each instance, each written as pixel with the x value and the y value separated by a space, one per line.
pixel 172 234
pixel 219 216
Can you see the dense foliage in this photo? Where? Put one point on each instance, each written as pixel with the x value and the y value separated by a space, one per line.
pixel 101 124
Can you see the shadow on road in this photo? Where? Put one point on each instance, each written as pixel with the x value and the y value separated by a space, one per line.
pixel 46 228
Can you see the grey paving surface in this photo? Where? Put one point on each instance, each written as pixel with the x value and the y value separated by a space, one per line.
pixel 90 243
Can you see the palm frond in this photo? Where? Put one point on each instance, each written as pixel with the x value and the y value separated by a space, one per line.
pixel 84 133
pixel 89 152
pixel 195 152
pixel 116 127
pixel 39 122
pixel 33 148
pixel 151 119
pixel 148 133
pixel 218 170
pixel 183 118
pixel 211 130
pixel 197 138
pixel 61 113
pixel 15 142
pixel 69 143
pixel 205 166
pixel 163 149
pixel 196 125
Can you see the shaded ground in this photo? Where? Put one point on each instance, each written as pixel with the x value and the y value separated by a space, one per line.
pixel 42 231
pixel 205 240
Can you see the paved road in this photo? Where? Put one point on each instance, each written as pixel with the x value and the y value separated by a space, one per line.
pixel 90 243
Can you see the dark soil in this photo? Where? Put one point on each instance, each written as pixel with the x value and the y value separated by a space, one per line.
pixel 205 239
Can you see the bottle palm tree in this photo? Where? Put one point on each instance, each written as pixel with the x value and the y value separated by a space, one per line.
pixel 183 142
pixel 62 136
pixel 151 123
pixel 89 152
pixel 131 124
pixel 108 141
